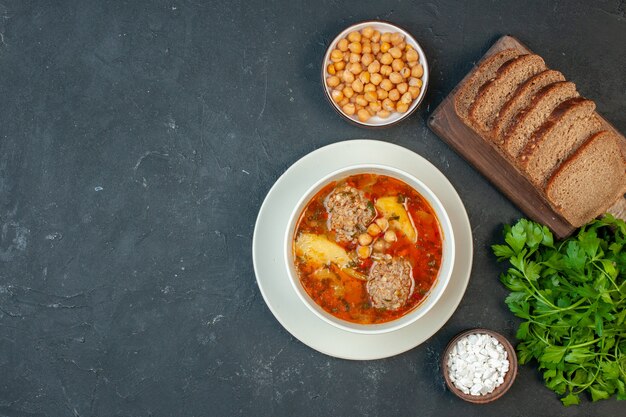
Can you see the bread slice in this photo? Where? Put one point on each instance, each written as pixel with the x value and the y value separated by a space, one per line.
pixel 535 115
pixel 590 180
pixel 521 100
pixel 495 93
pixel 565 130
pixel 464 98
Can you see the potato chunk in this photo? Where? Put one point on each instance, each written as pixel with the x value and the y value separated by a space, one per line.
pixel 396 214
pixel 317 249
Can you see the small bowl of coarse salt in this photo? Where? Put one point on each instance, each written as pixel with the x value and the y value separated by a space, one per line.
pixel 479 365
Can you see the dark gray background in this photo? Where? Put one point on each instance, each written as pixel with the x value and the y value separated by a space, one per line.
pixel 137 142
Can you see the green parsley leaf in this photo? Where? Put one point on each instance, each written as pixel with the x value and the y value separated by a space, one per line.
pixel 571 297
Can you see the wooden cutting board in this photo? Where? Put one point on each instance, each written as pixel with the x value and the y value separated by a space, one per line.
pixel 488 159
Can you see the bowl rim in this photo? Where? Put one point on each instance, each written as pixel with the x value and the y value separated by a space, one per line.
pixel 443 277
pixel 423 60
pixel 509 377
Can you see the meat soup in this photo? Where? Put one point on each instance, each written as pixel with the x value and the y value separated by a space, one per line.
pixel 367 248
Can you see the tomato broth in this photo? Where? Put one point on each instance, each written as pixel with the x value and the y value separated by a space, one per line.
pixel 338 282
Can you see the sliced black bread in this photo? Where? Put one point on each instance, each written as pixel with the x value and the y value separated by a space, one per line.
pixel 542 105
pixel 496 92
pixel 521 100
pixel 466 95
pixel 565 130
pixel 590 180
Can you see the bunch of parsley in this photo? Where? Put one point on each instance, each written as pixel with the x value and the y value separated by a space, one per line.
pixel 572 298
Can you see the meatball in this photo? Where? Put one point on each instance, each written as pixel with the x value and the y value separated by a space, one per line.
pixel 349 212
pixel 390 283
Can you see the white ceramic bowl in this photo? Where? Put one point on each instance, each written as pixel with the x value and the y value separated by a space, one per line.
pixel 447 259
pixel 381 26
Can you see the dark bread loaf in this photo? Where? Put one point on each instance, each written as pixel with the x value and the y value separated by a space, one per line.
pixel 535 115
pixel 486 71
pixel 495 93
pixel 590 180
pixel 567 127
pixel 521 100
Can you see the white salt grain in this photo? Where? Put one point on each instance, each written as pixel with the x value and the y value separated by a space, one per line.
pixel 477 364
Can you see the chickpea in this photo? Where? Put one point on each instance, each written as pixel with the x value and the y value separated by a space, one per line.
pixel 360 100
pixel 397 64
pixel 388 105
pixel 354 36
pixel 367 59
pixel 370 96
pixel 365 239
pixel 373 229
pixel 376 78
pixel 415 92
pixel 395 52
pixel 382 223
pixel 349 109
pixel 357 86
pixel 337 95
pixel 395 78
pixel 356 68
pixel 386 59
pixel 383 114
pixel 396 38
pixel 336 55
pixel 369 87
pixel 363 252
pixel 386 85
pixel 367 32
pixel 364 116
pixel 375 106
pixel 412 55
pixel 379 245
pixel 417 71
pixel 402 107
pixel 332 81
pixel 390 236
pixel 374 67
pixel 355 47
pixel 348 77
pixel 374 74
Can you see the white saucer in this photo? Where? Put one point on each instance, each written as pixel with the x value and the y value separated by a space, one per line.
pixel 267 251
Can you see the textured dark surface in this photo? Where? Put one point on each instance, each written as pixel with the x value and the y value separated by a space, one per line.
pixel 137 142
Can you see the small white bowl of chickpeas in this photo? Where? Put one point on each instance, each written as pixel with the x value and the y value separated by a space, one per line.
pixel 375 74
